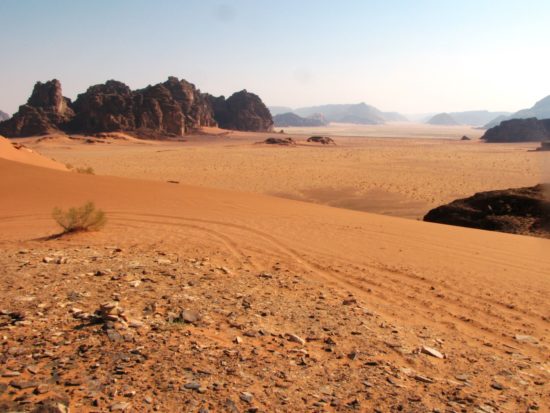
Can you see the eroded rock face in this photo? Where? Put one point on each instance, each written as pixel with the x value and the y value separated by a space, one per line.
pixel 242 111
pixel 519 130
pixel 107 107
pixel 172 108
pixel 46 111
pixel 518 211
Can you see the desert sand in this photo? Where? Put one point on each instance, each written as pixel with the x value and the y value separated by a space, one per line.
pixel 390 169
pixel 289 306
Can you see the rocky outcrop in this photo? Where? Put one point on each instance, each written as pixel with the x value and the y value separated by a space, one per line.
pixel 518 211
pixel 4 116
pixel 519 130
pixel 280 141
pixel 324 140
pixel 242 111
pixel 291 119
pixel 544 146
pixel 172 108
pixel 46 111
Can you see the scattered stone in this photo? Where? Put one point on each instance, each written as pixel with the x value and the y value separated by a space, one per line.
pixel 295 339
pixel 432 352
pixel 246 397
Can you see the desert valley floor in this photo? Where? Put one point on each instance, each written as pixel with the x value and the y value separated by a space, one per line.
pixel 213 295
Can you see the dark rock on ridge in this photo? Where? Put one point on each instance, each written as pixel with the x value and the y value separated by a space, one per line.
pixel 518 211
pixel 46 111
pixel 519 130
pixel 4 116
pixel 291 119
pixel 242 111
pixel 172 108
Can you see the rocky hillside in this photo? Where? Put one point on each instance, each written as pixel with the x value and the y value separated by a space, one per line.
pixel 4 116
pixel 517 211
pixel 476 117
pixel 540 110
pixel 519 130
pixel 172 108
pixel 291 119
pixel 443 119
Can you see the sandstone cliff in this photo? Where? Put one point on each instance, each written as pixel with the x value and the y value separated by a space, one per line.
pixel 172 108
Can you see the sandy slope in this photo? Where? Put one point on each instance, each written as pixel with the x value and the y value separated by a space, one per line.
pixel 25 155
pixel 471 294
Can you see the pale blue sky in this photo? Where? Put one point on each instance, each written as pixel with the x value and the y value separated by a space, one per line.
pixel 409 56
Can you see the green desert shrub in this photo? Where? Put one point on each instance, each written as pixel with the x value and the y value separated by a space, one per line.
pixel 84 218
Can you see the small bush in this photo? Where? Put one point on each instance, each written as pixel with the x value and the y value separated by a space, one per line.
pixel 84 218
pixel 88 170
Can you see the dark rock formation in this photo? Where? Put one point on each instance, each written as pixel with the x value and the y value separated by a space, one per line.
pixel 46 111
pixel 291 119
pixel 280 141
pixel 325 140
pixel 106 107
pixel 544 146
pixel 519 130
pixel 242 111
pixel 443 119
pixel 518 211
pixel 465 138
pixel 4 116
pixel 172 108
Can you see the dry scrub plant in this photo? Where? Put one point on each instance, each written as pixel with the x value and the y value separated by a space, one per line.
pixel 84 218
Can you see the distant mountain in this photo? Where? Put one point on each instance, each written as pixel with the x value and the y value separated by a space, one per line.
pixel 476 117
pixel 360 113
pixel 443 119
pixel 541 110
pixel 292 119
pixel 279 110
pixel 4 116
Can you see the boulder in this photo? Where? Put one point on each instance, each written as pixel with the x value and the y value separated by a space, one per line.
pixel 46 111
pixel 519 130
pixel 518 211
pixel 324 140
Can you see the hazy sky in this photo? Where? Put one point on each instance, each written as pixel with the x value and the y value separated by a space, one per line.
pixel 411 56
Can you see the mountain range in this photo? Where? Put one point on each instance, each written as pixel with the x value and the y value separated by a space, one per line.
pixel 359 113
pixel 540 110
